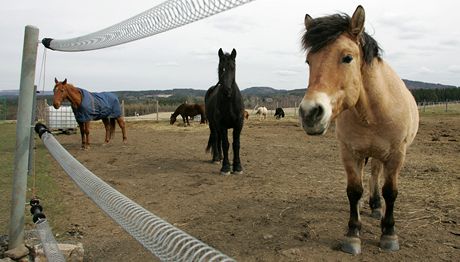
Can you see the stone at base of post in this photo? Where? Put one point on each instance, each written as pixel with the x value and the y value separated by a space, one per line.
pixel 17 253
pixel 71 252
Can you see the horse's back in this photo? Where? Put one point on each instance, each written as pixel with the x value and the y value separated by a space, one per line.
pixel 109 105
pixel 95 106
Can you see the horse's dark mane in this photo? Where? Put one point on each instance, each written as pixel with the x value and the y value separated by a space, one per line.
pixel 324 30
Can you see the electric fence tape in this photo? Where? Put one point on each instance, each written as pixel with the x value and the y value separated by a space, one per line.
pixel 163 17
pixel 164 240
pixel 50 247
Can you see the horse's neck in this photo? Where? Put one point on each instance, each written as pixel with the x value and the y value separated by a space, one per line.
pixel 378 83
pixel 178 111
pixel 74 96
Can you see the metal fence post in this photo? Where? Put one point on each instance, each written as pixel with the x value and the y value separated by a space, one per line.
pixel 24 118
pixel 157 108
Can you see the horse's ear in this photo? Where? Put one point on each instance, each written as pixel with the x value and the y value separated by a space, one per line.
pixel 55 80
pixel 64 82
pixel 308 21
pixel 233 53
pixel 357 21
pixel 221 53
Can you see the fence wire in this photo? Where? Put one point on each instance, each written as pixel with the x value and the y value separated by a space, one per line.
pixel 164 240
pixel 163 17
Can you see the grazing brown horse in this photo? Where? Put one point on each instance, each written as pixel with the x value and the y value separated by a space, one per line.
pixel 88 106
pixel 375 114
pixel 188 110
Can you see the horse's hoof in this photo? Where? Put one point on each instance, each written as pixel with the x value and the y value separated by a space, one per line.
pixel 225 173
pixel 238 172
pixel 217 162
pixel 376 213
pixel 389 243
pixel 352 245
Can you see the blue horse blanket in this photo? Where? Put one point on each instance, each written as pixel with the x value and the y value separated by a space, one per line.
pixel 95 106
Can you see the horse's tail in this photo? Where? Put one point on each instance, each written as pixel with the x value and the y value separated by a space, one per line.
pixel 112 127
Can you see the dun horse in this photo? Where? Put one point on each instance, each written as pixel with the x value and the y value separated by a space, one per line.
pixel 188 110
pixel 88 106
pixel 224 109
pixel 375 114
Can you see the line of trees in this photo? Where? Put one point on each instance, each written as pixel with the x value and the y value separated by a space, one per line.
pixel 436 95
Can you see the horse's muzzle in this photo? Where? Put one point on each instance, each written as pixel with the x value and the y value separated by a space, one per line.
pixel 56 105
pixel 313 118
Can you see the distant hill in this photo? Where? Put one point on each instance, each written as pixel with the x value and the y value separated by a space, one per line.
pixel 423 85
pixel 262 91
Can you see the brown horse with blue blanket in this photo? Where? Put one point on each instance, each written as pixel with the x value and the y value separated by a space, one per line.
pixel 88 106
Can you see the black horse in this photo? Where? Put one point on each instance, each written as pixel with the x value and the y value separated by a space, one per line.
pixel 224 110
pixel 279 113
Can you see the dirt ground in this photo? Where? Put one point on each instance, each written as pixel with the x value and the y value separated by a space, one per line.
pixel 289 205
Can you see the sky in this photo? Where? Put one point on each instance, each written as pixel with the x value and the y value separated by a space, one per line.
pixel 420 39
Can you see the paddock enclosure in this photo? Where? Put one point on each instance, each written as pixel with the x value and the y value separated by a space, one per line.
pixel 287 206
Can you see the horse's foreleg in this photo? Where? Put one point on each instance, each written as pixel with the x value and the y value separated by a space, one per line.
pixel 374 188
pixel 122 124
pixel 82 134
pixel 391 168
pixel 106 122
pixel 354 169
pixel 237 168
pixel 223 134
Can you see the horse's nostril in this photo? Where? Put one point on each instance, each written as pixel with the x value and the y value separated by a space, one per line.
pixel 314 115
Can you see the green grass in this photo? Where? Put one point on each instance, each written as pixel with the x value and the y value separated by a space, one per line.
pixel 46 187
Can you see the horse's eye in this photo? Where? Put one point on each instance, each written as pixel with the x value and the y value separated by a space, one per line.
pixel 308 62
pixel 347 59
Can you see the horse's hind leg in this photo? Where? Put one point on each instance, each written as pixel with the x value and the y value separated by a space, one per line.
pixel 112 128
pixel 374 188
pixel 122 125
pixel 354 169
pixel 216 147
pixel 106 122
pixel 389 239
pixel 223 134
